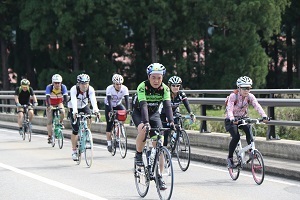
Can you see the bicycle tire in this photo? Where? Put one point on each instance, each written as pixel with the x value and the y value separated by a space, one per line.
pixel 60 138
pixel 234 172
pixel 88 148
pixel 183 150
pixel 78 161
pixel 113 142
pixel 53 139
pixel 167 174
pixel 23 132
pixel 29 132
pixel 141 177
pixel 258 167
pixel 122 141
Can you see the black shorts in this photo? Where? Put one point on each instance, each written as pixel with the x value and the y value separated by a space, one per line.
pixel 107 109
pixel 75 127
pixel 154 120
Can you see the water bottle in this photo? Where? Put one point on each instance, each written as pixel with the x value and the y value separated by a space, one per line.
pixel 152 156
pixel 173 138
pixel 148 153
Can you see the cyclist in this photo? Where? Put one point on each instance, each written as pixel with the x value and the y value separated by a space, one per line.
pixel 80 95
pixel 237 108
pixel 56 96
pixel 113 101
pixel 150 94
pixel 22 97
pixel 177 97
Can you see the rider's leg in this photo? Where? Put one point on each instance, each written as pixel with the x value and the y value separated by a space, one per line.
pixel 49 123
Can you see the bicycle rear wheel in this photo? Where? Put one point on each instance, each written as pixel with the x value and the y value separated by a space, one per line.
pixel 53 139
pixel 164 173
pixel 122 141
pixel 89 148
pixel 29 131
pixel 257 167
pixel 234 172
pixel 141 177
pixel 60 138
pixel 23 132
pixel 183 150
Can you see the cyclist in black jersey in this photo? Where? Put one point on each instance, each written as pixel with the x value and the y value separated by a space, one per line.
pixel 22 97
pixel 150 94
pixel 177 97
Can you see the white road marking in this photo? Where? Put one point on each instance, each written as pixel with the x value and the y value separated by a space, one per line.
pixel 53 183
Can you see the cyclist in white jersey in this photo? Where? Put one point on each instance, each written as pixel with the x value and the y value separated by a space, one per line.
pixel 113 101
pixel 80 95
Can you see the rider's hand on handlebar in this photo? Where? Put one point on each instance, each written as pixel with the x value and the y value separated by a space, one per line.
pixel 172 125
pixel 193 118
pixel 35 104
pixel 266 119
pixel 18 105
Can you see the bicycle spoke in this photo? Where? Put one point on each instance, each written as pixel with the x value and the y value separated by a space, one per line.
pixel 113 142
pixel 88 152
pixel 122 141
pixel 258 167
pixel 183 150
pixel 29 131
pixel 141 178
pixel 164 174
pixel 234 172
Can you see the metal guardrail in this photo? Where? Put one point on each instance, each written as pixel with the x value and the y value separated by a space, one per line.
pixel 270 103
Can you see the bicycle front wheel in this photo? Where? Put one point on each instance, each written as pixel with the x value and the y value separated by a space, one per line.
pixel 24 132
pixel 164 175
pixel 257 167
pixel 29 131
pixel 113 141
pixel 141 177
pixel 234 171
pixel 89 148
pixel 60 138
pixel 122 141
pixel 183 150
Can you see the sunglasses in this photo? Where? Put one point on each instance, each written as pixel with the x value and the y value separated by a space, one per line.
pixel 177 85
pixel 56 82
pixel 245 88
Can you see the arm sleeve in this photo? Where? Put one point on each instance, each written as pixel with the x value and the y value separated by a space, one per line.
pixel 168 110
pixel 48 100
pixel 257 106
pixel 144 111
pixel 93 99
pixel 186 105
pixel 73 93
pixel 126 101
pixel 109 102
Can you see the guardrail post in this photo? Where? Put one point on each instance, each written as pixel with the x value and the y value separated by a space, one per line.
pixel 271 129
pixel 203 127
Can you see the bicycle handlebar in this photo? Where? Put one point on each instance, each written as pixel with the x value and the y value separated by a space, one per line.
pixel 84 116
pixel 246 121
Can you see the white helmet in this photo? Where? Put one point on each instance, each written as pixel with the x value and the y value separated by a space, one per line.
pixel 117 78
pixel 244 81
pixel 156 68
pixel 175 80
pixel 83 78
pixel 56 78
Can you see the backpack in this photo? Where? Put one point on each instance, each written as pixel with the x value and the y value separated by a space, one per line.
pixel 236 98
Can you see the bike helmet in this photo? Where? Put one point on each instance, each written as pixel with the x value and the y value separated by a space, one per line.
pixel 117 78
pixel 244 81
pixel 56 78
pixel 25 82
pixel 83 78
pixel 175 80
pixel 156 68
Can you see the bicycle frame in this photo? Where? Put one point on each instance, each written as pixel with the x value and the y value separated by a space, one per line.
pixel 83 126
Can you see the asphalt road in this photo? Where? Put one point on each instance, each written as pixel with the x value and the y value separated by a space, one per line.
pixel 34 170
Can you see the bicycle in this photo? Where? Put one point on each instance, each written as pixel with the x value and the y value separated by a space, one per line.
pixel 160 169
pixel 255 157
pixel 118 134
pixel 85 139
pixel 180 144
pixel 26 125
pixel 57 128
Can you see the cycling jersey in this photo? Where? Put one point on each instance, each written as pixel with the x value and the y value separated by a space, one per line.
pixel 148 99
pixel 56 95
pixel 240 109
pixel 176 101
pixel 24 96
pixel 115 96
pixel 79 101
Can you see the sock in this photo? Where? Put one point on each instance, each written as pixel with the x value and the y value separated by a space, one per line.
pixel 108 142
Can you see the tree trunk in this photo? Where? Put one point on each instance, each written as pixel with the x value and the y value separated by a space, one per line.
pixel 289 56
pixel 75 54
pixel 153 44
pixel 298 47
pixel 5 84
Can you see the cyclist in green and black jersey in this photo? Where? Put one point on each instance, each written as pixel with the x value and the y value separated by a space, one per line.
pixel 150 94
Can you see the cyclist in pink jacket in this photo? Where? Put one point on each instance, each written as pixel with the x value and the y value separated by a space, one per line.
pixel 237 108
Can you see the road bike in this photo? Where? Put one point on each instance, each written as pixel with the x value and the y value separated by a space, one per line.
pixel 26 125
pixel 180 143
pixel 255 157
pixel 118 133
pixel 85 139
pixel 57 133
pixel 158 168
